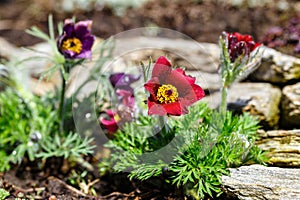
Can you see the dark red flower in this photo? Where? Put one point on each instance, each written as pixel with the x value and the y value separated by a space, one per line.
pixel 111 124
pixel 239 44
pixel 113 120
pixel 171 91
pixel 76 40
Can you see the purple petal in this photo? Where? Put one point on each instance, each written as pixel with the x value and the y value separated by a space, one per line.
pixel 87 42
pixel 133 78
pixel 125 97
pixel 69 54
pixel 83 29
pixel 85 54
pixel 69 28
pixel 115 78
pixel 122 80
pixel 84 24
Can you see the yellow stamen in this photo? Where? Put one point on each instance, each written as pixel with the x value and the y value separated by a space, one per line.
pixel 167 94
pixel 117 118
pixel 72 44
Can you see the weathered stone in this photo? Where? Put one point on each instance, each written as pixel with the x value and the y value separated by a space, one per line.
pixel 283 147
pixel 291 106
pixel 182 52
pixel 7 49
pixel 34 68
pixel 277 67
pixel 208 81
pixel 259 99
pixel 258 182
pixel 200 59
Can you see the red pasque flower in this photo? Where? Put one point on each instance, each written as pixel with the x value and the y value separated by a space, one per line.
pixel 76 40
pixel 171 91
pixel 239 44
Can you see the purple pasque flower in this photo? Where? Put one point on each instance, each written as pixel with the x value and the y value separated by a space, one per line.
pixel 76 40
pixel 123 81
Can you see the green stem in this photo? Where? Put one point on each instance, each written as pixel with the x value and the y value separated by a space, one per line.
pixel 61 108
pixel 61 105
pixel 163 137
pixel 223 106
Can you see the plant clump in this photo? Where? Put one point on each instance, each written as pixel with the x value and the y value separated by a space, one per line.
pixel 155 127
pixel 285 38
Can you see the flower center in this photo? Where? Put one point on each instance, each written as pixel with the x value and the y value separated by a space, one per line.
pixel 167 94
pixel 117 118
pixel 72 44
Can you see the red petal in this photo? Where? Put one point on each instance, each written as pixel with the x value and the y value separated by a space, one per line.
pixel 238 36
pixel 193 95
pixel 199 92
pixel 111 125
pixel 256 45
pixel 161 68
pixel 111 113
pixel 164 109
pixel 190 79
pixel 152 85
pixel 155 109
pixel 180 81
pixel 176 108
pixel 163 61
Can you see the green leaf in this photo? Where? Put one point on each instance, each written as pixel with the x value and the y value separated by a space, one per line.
pixel 3 194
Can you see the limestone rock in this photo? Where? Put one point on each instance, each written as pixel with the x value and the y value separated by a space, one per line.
pixel 200 59
pixel 283 147
pixel 7 49
pixel 291 106
pixel 259 99
pixel 257 182
pixel 188 53
pixel 208 81
pixel 35 67
pixel 277 67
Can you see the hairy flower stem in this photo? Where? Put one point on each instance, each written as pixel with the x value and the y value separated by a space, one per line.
pixel 61 108
pixel 162 124
pixel 223 106
pixel 163 137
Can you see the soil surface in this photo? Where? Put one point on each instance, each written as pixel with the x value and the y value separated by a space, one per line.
pixel 53 181
pixel 201 21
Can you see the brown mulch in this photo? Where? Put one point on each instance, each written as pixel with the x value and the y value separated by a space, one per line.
pixel 31 181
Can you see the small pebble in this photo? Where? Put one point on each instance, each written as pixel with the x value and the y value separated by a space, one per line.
pixel 52 197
